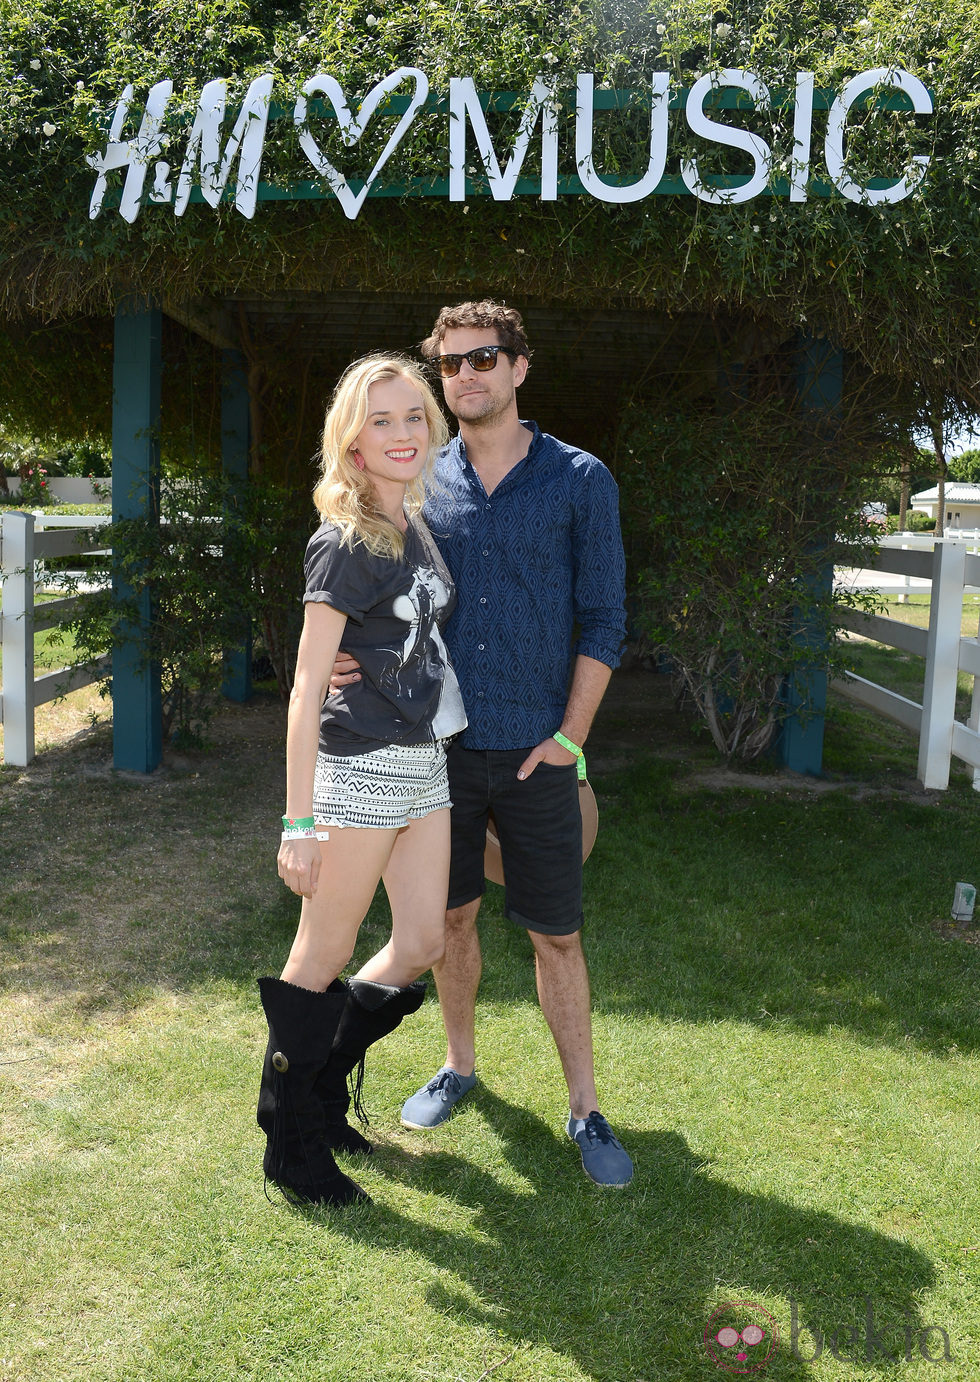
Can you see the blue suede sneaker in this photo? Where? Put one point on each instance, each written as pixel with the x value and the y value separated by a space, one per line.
pixel 604 1158
pixel 434 1102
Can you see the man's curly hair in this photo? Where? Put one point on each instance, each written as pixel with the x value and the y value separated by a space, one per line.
pixel 487 315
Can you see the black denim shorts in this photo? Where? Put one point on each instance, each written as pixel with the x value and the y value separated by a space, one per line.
pixel 539 825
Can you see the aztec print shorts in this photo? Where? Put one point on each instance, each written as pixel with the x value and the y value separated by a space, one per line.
pixel 381 790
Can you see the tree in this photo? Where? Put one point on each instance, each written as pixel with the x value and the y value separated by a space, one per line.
pixel 966 467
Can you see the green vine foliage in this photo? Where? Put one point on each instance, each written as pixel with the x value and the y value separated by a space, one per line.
pixel 894 284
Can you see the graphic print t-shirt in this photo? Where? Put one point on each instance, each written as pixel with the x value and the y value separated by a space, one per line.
pixel 408 693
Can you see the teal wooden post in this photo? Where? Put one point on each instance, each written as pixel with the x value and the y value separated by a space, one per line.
pixel 820 379
pixel 237 683
pixel 136 708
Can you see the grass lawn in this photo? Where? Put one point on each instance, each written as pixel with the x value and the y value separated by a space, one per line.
pixel 905 672
pixel 58 720
pixel 915 610
pixel 787 1040
pixel 52 647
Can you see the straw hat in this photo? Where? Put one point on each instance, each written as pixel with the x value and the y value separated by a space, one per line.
pixel 492 865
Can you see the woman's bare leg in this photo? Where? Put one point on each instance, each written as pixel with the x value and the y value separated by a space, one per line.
pixel 352 864
pixel 416 879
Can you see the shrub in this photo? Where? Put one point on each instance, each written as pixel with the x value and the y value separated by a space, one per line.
pixel 916 522
pixel 35 491
pixel 88 459
pixel 215 560
pixel 731 520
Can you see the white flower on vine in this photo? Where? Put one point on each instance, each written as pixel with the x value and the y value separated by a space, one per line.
pixel 371 20
pixel 661 29
pixel 48 129
pixel 35 64
pixel 723 30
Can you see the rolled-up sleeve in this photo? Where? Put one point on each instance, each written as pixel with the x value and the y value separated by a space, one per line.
pixel 332 577
pixel 599 576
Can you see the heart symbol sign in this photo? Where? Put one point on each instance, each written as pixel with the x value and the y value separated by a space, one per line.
pixel 352 128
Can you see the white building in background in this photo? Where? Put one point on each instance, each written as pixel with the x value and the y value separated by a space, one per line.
pixel 962 505
pixel 70 489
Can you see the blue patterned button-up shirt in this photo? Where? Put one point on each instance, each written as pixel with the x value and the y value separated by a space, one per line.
pixel 539 557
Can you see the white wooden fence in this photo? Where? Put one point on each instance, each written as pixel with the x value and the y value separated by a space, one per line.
pixel 946 564
pixel 951 570
pixel 25 541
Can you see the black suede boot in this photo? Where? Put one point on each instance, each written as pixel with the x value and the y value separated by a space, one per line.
pixel 302 1027
pixel 371 1012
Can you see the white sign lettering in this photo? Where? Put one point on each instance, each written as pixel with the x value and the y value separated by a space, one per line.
pixel 205 159
pixel 834 147
pixel 351 129
pixel 246 144
pixel 464 102
pixel 585 139
pixel 754 146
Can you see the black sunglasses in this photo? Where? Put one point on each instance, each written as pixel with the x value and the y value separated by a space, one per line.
pixel 481 359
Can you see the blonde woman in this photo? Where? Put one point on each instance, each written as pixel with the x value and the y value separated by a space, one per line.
pixel 367 794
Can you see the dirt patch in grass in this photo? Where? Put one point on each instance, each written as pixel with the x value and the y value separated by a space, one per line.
pixel 119 882
pixel 796 784
pixel 640 711
pixel 69 721
pixel 966 931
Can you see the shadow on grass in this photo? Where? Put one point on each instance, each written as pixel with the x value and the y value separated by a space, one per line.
pixel 815 911
pixel 610 1277
pixel 812 910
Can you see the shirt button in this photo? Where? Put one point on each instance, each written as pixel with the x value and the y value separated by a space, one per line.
pixel 480 647
pixel 485 552
pixel 483 600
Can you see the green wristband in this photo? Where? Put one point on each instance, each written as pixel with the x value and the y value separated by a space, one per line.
pixel 298 822
pixel 559 738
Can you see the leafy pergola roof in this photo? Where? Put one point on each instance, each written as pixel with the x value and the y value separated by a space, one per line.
pixel 895 284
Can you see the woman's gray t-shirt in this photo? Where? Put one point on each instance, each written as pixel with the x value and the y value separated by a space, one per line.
pixel 408 693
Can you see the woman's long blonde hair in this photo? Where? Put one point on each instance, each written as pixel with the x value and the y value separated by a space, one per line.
pixel 344 495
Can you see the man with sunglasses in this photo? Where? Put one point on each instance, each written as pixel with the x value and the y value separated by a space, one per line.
pixel 529 528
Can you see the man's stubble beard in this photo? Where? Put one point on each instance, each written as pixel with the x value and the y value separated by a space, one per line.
pixel 489 409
